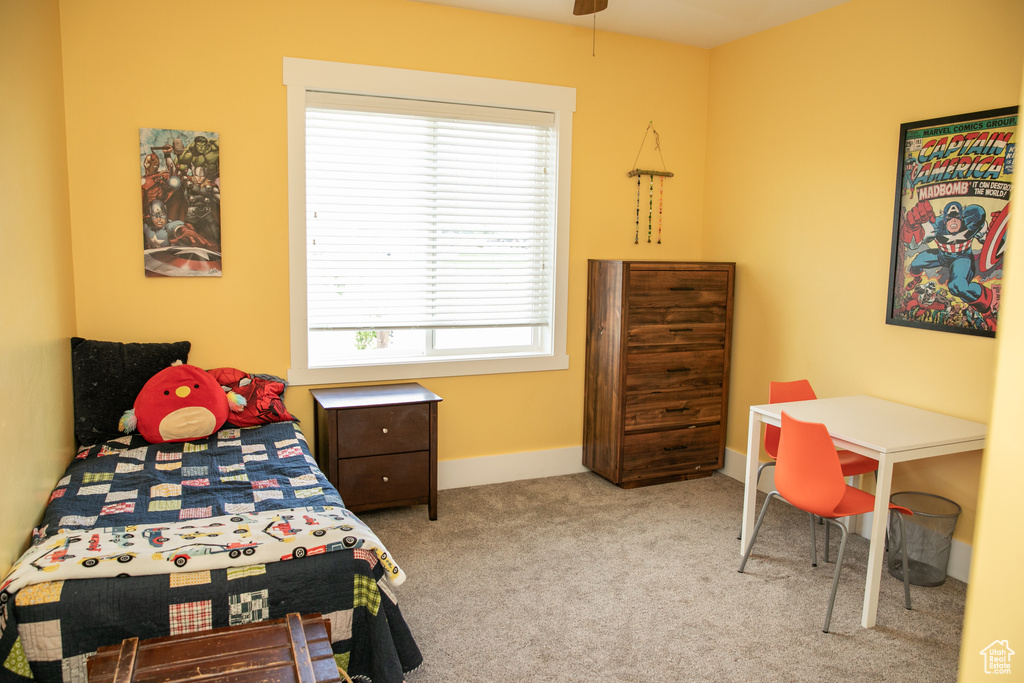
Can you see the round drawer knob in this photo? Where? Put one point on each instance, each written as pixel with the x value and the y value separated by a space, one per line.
pixel 385 430
pixel 384 478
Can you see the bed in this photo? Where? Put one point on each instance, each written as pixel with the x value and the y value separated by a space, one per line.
pixel 146 540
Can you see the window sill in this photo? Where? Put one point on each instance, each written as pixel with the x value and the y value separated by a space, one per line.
pixel 425 369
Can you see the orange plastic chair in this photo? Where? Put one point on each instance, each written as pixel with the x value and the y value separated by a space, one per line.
pixel 809 478
pixel 851 463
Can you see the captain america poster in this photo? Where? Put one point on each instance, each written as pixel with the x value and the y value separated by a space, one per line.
pixel 951 218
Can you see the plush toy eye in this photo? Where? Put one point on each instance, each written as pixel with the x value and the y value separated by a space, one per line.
pixel 166 393
pixel 196 386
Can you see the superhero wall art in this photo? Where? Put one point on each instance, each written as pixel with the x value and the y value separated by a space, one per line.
pixel 951 219
pixel 180 202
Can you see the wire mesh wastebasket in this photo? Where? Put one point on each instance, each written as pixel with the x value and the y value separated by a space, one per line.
pixel 929 536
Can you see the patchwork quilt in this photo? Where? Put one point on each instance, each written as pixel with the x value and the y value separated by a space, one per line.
pixel 149 540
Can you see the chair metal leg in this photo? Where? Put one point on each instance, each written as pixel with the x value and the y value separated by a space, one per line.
pixel 770 463
pixel 757 528
pixel 826 543
pixel 839 566
pixel 814 544
pixel 906 562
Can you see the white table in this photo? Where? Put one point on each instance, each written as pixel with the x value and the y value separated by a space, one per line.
pixel 886 431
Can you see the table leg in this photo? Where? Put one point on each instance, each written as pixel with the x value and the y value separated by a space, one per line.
pixel 877 547
pixel 750 483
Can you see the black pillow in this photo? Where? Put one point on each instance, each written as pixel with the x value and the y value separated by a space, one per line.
pixel 106 378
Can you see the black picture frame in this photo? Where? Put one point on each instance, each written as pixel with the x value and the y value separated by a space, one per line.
pixel 951 215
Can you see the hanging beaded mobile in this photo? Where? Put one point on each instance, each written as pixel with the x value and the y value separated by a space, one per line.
pixel 661 197
pixel 650 212
pixel 661 193
pixel 636 237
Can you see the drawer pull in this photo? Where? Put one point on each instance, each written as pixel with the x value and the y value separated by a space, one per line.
pixel 681 289
pixel 680 329
pixel 675 448
pixel 385 479
pixel 676 410
pixel 679 369
pixel 384 430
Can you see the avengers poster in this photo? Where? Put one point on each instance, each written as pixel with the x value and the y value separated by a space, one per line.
pixel 180 202
pixel 952 213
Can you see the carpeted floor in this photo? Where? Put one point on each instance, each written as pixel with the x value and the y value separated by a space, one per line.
pixel 571 578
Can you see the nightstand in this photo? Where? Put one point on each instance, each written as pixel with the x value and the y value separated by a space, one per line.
pixel 378 444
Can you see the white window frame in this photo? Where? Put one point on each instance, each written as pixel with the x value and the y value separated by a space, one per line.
pixel 301 75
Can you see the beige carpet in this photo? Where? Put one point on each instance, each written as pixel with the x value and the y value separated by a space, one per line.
pixel 572 579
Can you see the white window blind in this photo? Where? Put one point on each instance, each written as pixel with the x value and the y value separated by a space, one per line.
pixel 428 215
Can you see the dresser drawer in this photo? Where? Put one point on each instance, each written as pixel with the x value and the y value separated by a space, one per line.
pixel 664 409
pixel 663 453
pixel 660 371
pixel 383 429
pixel 661 289
pixel 379 479
pixel 658 328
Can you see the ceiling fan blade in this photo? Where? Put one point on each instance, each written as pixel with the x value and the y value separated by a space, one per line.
pixel 589 6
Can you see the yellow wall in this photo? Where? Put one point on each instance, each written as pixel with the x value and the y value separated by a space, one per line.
pixel 803 143
pixel 36 291
pixel 995 598
pixel 217 66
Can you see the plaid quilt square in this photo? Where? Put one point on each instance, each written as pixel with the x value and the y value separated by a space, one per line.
pixel 195 513
pixel 189 617
pixel 42 640
pixel 182 579
pixel 118 508
pixel 165 491
pixel 246 608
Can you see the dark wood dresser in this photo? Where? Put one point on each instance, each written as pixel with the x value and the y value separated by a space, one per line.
pixel 378 444
pixel 659 335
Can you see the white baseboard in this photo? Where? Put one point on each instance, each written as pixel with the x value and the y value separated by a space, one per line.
pixel 494 469
pixel 959 552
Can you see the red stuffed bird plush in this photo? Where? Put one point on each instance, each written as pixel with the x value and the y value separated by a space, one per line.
pixel 180 403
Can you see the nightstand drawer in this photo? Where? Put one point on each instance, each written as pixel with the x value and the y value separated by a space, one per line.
pixel 383 429
pixel 380 479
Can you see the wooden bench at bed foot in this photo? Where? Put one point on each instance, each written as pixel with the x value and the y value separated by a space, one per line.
pixel 296 649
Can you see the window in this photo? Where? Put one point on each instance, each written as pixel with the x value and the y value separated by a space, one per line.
pixel 428 223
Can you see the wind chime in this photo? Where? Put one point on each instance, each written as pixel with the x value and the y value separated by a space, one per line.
pixel 639 174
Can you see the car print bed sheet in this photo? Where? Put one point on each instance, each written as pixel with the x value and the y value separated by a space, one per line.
pixel 150 540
